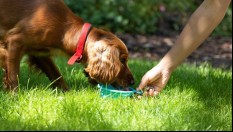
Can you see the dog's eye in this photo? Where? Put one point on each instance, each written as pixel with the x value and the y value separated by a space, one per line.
pixel 123 60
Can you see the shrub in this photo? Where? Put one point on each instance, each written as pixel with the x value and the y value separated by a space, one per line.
pixel 141 17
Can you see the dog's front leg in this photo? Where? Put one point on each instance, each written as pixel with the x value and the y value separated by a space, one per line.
pixel 15 53
pixel 49 68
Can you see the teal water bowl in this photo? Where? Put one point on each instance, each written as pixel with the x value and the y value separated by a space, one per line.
pixel 110 91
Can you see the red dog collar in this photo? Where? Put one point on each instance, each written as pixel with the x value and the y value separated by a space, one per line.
pixel 80 44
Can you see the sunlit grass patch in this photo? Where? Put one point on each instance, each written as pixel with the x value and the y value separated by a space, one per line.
pixel 195 98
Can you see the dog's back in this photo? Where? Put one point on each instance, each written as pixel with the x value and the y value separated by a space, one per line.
pixel 39 12
pixel 8 9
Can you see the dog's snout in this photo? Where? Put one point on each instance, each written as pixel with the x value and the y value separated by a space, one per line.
pixel 132 82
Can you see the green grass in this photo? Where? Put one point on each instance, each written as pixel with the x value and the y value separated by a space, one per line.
pixel 195 98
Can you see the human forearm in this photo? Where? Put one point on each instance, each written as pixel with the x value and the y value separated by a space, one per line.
pixel 200 25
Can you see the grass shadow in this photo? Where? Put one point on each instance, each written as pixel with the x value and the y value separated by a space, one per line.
pixel 30 78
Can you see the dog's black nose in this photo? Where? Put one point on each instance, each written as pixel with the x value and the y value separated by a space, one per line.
pixel 132 82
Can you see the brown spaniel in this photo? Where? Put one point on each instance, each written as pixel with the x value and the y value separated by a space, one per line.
pixel 40 28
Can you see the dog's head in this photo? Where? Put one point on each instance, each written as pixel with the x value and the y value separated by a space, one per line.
pixel 107 58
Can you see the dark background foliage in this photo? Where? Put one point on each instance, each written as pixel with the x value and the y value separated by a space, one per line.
pixel 160 17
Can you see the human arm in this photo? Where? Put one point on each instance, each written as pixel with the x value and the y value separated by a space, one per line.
pixel 199 26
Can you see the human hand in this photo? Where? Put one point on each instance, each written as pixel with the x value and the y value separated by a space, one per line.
pixel 154 80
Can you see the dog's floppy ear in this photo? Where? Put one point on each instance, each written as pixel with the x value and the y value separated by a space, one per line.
pixel 103 63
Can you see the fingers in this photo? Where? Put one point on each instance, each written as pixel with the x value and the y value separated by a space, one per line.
pixel 151 91
pixel 143 83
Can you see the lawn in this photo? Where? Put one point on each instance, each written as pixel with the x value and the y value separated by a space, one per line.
pixel 195 98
